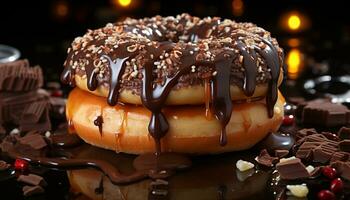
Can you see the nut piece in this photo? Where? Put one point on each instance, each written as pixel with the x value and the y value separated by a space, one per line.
pixel 244 165
pixel 298 190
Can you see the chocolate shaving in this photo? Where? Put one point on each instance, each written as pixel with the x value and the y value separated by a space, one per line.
pixel 32 179
pixel 292 169
pixel 32 190
pixel 36 141
pixel 265 159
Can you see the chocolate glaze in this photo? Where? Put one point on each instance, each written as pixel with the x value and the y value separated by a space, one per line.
pixel 154 94
pixel 99 122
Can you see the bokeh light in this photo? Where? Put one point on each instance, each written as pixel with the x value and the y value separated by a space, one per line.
pixel 294 63
pixel 237 7
pixel 124 3
pixel 294 22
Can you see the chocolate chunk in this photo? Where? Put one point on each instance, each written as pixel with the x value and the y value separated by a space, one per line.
pixel 265 159
pixel 304 132
pixel 343 168
pixel 340 156
pixel 345 145
pixel 325 114
pixel 36 117
pixel 292 169
pixel 331 136
pixel 32 190
pixel 33 112
pixel 32 179
pixel 12 105
pixel 344 133
pixel 281 153
pixel 4 165
pixel 323 153
pixel 36 141
pixel 18 76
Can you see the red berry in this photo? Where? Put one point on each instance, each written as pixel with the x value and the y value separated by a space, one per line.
pixel 325 195
pixel 288 120
pixel 57 93
pixel 337 185
pixel 329 172
pixel 21 165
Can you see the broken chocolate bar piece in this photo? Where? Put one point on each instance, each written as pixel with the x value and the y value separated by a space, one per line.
pixel 323 153
pixel 32 190
pixel 32 179
pixel 36 117
pixel 344 145
pixel 12 105
pixel 325 114
pixel 281 153
pixel 18 76
pixel 36 141
pixel 339 156
pixel 265 159
pixel 344 133
pixel 292 169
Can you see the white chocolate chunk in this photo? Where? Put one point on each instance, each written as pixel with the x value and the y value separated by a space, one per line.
pixel 298 190
pixel 244 165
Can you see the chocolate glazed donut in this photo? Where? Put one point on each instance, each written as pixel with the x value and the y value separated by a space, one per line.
pixel 153 56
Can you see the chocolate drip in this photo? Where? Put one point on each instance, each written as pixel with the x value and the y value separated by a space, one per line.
pixel 221 96
pixel 99 122
pixel 116 71
pixel 67 76
pixel 249 63
pixel 271 56
pixel 91 74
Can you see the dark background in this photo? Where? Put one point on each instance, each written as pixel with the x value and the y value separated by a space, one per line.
pixel 43 30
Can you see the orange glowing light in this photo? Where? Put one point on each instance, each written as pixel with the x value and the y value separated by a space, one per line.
pixel 294 22
pixel 237 7
pixel 60 10
pixel 124 3
pixel 294 62
pixel 294 42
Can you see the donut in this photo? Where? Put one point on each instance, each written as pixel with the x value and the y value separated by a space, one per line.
pixel 124 127
pixel 166 43
pixel 173 63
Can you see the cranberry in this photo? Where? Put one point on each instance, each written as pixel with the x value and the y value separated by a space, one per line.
pixel 57 93
pixel 288 120
pixel 329 172
pixel 325 195
pixel 337 185
pixel 21 165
